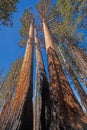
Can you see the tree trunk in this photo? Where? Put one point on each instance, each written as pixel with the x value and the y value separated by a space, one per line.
pixel 66 111
pixel 78 86
pixel 79 59
pixel 5 112
pixel 79 89
pixel 42 100
pixel 21 115
pixel 8 102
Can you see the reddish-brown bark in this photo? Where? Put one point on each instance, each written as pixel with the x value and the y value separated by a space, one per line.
pixel 66 111
pixel 21 115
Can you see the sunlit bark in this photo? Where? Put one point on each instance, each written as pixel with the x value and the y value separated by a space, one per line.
pixel 21 114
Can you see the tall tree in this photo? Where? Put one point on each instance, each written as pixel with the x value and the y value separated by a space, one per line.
pixel 11 78
pixel 78 86
pixel 75 56
pixel 41 99
pixel 8 90
pixel 64 104
pixel 21 115
pixel 79 60
pixel 7 7
pixel 70 16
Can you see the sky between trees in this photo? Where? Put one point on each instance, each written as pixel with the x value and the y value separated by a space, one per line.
pixel 10 50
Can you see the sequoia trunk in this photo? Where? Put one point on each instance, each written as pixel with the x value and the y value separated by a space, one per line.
pixel 42 101
pixel 66 111
pixel 21 115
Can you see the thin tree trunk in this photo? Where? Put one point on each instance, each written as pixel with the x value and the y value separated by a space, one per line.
pixel 78 58
pixel 42 100
pixel 8 103
pixel 6 110
pixel 78 86
pixel 21 115
pixel 66 111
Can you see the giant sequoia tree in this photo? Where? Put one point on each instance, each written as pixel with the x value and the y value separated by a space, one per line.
pixel 66 29
pixel 22 104
pixel 55 106
pixel 64 104
pixel 41 94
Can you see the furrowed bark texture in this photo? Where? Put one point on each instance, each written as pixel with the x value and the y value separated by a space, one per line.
pixel 41 97
pixel 66 111
pixel 21 115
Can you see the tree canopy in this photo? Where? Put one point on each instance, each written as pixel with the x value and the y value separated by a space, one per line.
pixel 7 7
pixel 24 31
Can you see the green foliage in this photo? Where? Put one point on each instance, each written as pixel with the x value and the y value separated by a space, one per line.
pixel 7 7
pixel 60 16
pixel 24 31
pixel 65 5
pixel 64 11
pixel 69 18
pixel 44 8
pixel 11 80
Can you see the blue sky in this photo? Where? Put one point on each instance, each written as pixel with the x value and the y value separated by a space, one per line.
pixel 9 37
